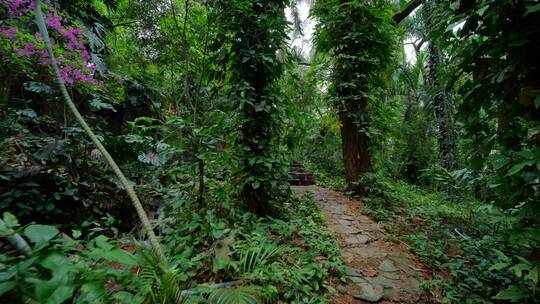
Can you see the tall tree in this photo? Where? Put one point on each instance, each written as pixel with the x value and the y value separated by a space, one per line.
pixel 360 37
pixel 442 104
pixel 255 32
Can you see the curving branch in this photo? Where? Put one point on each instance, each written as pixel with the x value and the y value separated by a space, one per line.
pixel 125 182
pixel 17 241
pixel 407 10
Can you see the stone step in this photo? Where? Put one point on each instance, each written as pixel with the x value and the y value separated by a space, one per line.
pixel 299 176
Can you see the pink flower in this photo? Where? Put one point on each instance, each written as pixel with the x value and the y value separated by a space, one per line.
pixel 9 33
pixel 54 22
pixel 20 7
pixel 85 55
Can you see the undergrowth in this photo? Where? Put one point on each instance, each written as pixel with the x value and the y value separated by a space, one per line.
pixel 292 260
pixel 462 240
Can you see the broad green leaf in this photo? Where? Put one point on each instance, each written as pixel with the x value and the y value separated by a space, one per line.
pixel 502 256
pixel 482 10
pixel 37 87
pixel 60 294
pixel 532 9
pixel 40 233
pixel 498 266
pixel 537 102
pixel 454 5
pixel 76 233
pixel 121 256
pixel 11 220
pixel 512 293
pixel 92 292
pixel 516 168
pixel 518 269
pixel 6 286
pixel 126 297
pixel 103 243
pixel 533 275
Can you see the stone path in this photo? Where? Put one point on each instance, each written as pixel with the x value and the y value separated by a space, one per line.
pixel 377 270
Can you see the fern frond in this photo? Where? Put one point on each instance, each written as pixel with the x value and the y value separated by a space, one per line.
pixel 257 257
pixel 239 295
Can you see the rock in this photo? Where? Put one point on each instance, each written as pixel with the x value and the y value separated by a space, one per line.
pixel 357 239
pixel 346 229
pixel 403 262
pixel 376 235
pixel 336 209
pixel 358 280
pixel 383 281
pixel 342 289
pixel 368 227
pixel 345 222
pixel 364 219
pixel 388 266
pixel 391 275
pixel 390 293
pixel 411 285
pixel 351 272
pixel 370 293
pixel 369 252
pixel 347 217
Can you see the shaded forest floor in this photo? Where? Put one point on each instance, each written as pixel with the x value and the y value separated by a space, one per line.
pixel 375 268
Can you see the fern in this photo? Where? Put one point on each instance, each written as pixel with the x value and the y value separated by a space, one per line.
pixel 239 295
pixel 160 284
pixel 256 257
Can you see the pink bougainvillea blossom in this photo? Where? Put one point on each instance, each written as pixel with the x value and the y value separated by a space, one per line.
pixel 74 64
pixel 8 32
pixel 20 7
pixel 54 22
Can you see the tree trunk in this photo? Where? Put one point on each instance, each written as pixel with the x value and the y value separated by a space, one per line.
pixel 355 145
pixel 446 133
pixel 202 186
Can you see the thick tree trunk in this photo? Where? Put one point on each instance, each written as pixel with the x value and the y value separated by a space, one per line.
pixel 355 145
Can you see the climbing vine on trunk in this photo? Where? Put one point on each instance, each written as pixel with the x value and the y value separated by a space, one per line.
pixel 360 38
pixel 442 104
pixel 254 35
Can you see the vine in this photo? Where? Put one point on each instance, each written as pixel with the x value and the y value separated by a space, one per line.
pixel 360 38
pixel 254 32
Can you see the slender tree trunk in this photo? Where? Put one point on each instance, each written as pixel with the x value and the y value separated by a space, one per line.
pixel 187 95
pixel 202 186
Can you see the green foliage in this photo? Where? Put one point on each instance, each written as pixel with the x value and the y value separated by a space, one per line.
pixel 241 295
pixel 41 172
pixel 253 36
pixel 457 240
pixel 62 269
pixel 500 88
pixel 290 259
pixel 361 40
